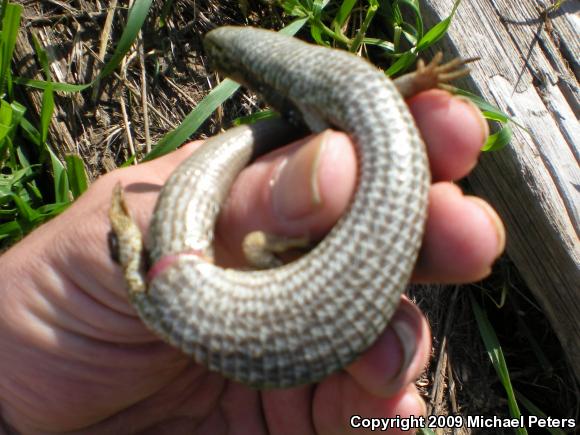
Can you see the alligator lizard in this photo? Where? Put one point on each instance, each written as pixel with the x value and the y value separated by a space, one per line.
pixel 296 323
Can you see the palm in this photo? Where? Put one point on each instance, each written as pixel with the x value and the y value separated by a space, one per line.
pixel 75 357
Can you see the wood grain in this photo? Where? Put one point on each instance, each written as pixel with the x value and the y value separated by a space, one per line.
pixel 529 69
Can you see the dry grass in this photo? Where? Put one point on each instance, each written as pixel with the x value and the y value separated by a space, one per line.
pixel 461 379
pixel 158 83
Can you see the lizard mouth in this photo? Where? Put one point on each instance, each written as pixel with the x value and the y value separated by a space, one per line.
pixel 219 61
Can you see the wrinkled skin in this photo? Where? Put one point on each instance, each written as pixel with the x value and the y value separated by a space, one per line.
pixel 76 358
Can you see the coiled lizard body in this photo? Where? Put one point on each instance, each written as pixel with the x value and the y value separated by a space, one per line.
pixel 296 323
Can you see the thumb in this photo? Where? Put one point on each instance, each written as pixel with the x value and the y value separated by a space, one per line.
pixel 299 190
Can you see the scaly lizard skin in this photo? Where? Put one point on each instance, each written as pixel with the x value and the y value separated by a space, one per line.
pixel 296 323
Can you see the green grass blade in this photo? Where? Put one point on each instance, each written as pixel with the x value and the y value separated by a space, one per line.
pixel 61 185
pixel 35 195
pixel 12 161
pixel 167 5
pixel 196 117
pixel 317 7
pixel 56 86
pixel 48 211
pixel 437 32
pixel 135 19
pixel 433 35
pixel 10 26
pixel 387 46
pixel 403 63
pixel 2 9
pixel 293 28
pixel 395 13
pixel 25 168
pixel 499 140
pixel 30 132
pixel 295 9
pixel 46 112
pixel 190 124
pixel 415 6
pixel 482 104
pixel 534 410
pixel 371 10
pixel 343 14
pixel 18 111
pixel 6 123
pixel 495 353
pixel 317 32
pixel 76 174
pixel 27 214
pixel 205 108
pixel 5 199
pixel 495 116
pixel 255 117
pixel 42 57
pixel 11 231
pixel 413 34
pixel 4 143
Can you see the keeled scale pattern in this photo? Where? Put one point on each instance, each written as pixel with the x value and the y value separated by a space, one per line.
pixel 300 322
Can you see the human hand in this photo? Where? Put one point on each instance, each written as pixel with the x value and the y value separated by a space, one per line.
pixel 76 357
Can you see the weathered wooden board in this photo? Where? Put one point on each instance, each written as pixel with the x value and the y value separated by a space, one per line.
pixel 529 69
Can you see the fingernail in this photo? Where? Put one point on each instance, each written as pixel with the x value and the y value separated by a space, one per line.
pixel 495 220
pixel 406 337
pixel 477 113
pixel 295 186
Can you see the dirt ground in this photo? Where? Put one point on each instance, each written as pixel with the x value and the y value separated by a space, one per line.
pixel 162 80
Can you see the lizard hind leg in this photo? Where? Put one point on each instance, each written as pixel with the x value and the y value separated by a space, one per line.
pixel 260 248
pixel 432 75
